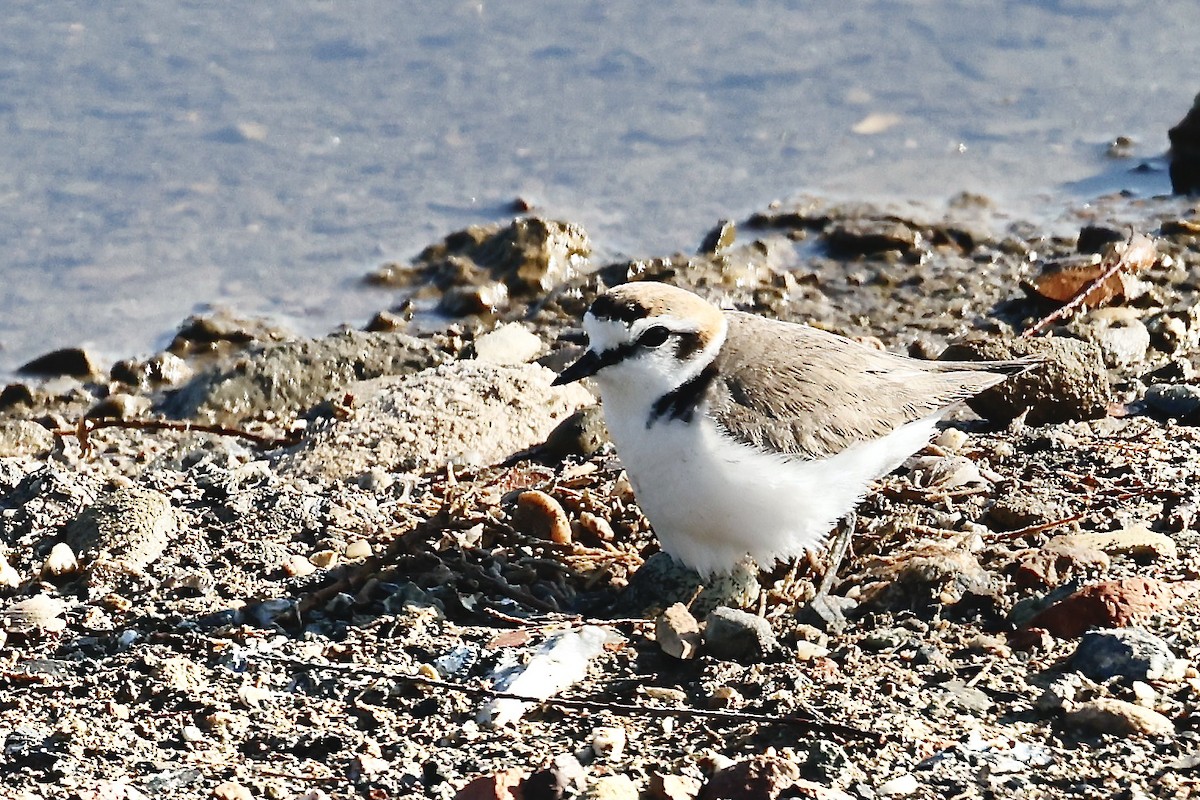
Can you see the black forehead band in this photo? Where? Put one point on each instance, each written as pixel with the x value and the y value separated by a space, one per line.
pixel 605 307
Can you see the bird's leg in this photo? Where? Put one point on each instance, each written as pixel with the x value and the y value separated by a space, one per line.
pixel 837 551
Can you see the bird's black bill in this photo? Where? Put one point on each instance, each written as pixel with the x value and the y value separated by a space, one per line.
pixel 587 365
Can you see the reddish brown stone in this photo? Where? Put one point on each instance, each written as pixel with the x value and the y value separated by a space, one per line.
pixel 1111 604
pixel 504 785
pixel 759 778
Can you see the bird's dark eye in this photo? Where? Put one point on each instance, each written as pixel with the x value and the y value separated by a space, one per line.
pixel 654 337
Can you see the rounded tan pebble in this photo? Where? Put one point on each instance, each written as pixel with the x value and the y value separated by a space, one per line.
pixel 613 787
pixel 1107 715
pixel 597 526
pixel 231 790
pixel 298 566
pixel 726 697
pixel 323 559
pixel 546 515
pixel 359 548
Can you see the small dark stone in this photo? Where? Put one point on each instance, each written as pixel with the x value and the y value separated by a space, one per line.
pixel 1130 653
pixel 70 361
pixel 1185 152
pixel 1094 238
pixel 719 238
pixel 15 394
pixel 827 613
pixel 733 635
pixel 1179 401
pixel 583 433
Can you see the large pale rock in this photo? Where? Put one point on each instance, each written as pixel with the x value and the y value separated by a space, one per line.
pixel 466 412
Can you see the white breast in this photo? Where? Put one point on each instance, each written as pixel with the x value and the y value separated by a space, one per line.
pixel 712 501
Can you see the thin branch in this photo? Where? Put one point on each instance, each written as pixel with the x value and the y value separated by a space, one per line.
pixel 87 426
pixel 1139 252
pixel 738 717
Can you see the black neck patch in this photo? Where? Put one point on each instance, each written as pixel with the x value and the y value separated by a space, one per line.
pixel 682 401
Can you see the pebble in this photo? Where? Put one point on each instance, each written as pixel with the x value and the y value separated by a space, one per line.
pixel 564 776
pixel 732 635
pixel 231 790
pixel 297 566
pixel 33 613
pixel 1120 718
pixel 191 734
pixel 1060 694
pixel 827 613
pixel 324 559
pixel 678 632
pixel 726 697
pixel 9 577
pixel 502 785
pixel 61 561
pixel 1072 384
pixel 20 437
pixel 608 742
pixel 900 786
pixel 662 581
pixel 508 345
pixel 543 517
pixel 755 777
pixel 612 787
pixel 674 787
pixel 1135 540
pixel 1128 653
pixel 1123 338
pixel 1111 604
pixel 358 549
pixel 72 361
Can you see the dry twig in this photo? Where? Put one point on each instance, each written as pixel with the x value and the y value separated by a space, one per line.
pixel 737 717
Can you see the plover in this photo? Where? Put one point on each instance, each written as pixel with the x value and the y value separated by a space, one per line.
pixel 750 437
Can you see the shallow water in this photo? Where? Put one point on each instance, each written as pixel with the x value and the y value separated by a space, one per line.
pixel 165 157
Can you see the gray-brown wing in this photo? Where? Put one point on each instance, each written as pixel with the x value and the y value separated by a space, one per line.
pixel 812 394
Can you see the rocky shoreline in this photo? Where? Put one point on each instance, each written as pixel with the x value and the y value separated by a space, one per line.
pixel 254 565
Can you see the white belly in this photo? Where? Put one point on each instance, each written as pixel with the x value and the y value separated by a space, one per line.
pixel 713 501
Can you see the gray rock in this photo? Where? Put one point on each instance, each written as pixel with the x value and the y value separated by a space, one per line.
pixel 1071 385
pixel 289 378
pixel 663 581
pixel 1122 337
pixel 465 412
pixel 122 534
pixel 733 635
pixel 1129 653
pixel 20 437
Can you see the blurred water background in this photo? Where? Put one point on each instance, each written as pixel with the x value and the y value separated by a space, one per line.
pixel 162 158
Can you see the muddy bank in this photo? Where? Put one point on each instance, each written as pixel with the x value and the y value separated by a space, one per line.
pixel 255 565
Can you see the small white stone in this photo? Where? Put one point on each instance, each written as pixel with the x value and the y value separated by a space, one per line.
pixel 951 439
pixel 9 577
pixel 899 786
pixel 608 742
pixel 191 734
pixel 359 548
pixel 508 345
pixel 60 561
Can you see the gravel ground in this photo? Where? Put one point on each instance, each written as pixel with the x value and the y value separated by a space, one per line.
pixel 251 566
